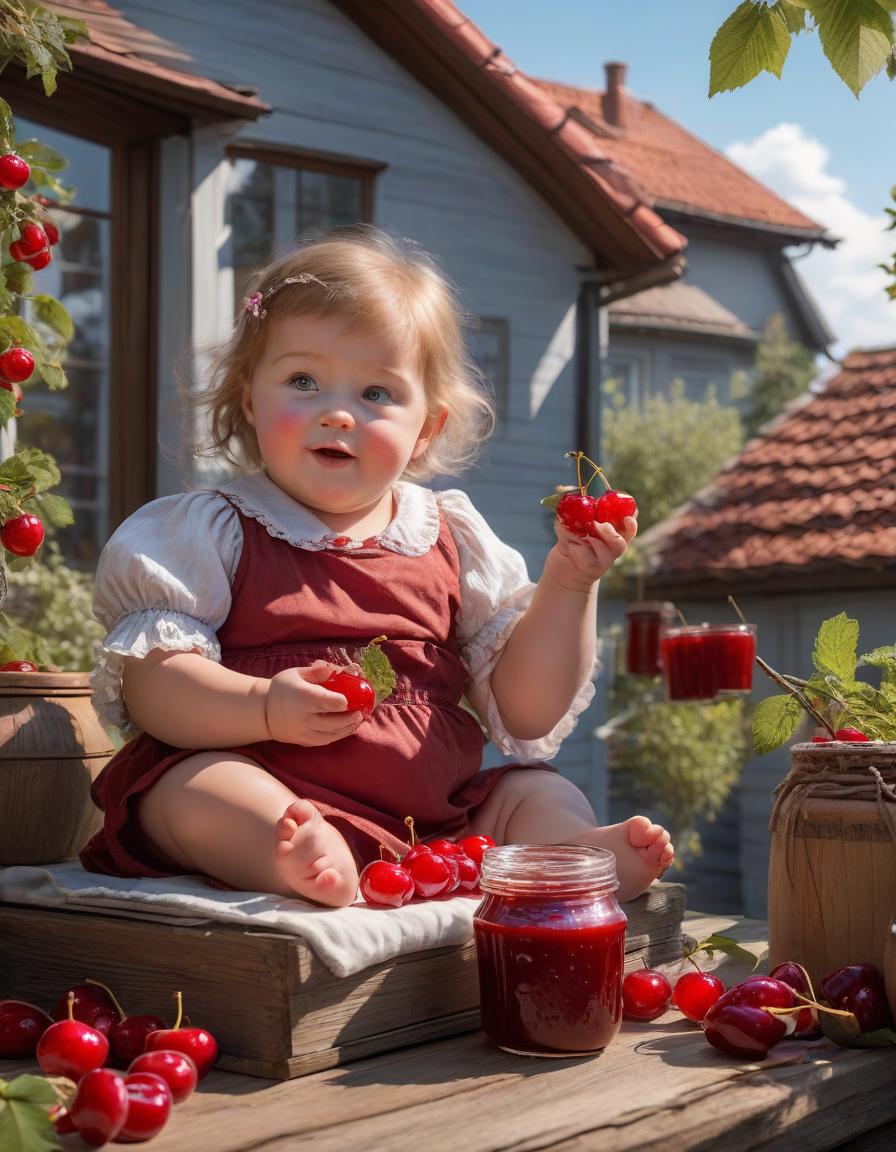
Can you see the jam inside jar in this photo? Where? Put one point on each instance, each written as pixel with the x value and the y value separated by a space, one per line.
pixel 550 944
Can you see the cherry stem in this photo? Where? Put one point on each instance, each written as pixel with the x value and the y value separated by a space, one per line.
pixel 806 1000
pixel 681 616
pixel 111 995
pixel 409 820
pixel 70 1000
pixel 386 848
pixel 690 956
pixel 180 1009
pixel 377 640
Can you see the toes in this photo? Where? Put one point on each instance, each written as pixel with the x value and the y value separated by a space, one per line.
pixel 667 856
pixel 641 832
pixel 300 811
pixel 328 878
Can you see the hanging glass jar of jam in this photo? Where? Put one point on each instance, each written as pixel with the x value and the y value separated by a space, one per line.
pixel 645 623
pixel 550 943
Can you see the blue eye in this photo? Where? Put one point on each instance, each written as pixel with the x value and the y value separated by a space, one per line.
pixel 378 395
pixel 302 383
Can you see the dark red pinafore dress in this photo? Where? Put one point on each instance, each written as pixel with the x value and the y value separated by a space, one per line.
pixel 419 755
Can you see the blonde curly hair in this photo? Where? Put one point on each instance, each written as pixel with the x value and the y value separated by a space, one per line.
pixel 376 282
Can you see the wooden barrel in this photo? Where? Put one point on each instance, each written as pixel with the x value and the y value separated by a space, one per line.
pixel 832 869
pixel 52 745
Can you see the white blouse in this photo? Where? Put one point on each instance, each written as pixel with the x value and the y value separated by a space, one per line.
pixel 164 580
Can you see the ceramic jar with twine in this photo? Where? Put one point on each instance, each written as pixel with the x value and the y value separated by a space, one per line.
pixel 832 869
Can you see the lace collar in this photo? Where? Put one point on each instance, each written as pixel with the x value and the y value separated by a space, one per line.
pixel 412 532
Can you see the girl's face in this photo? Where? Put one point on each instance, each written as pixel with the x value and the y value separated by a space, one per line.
pixel 338 415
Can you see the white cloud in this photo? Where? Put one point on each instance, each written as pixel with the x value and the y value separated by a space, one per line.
pixel 846 282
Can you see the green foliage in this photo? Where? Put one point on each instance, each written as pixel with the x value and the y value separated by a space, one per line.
pixel 844 701
pixel 857 36
pixel 783 369
pixel 37 38
pixel 25 1124
pixel 667 450
pixel 890 268
pixel 684 758
pixel 377 670
pixel 53 602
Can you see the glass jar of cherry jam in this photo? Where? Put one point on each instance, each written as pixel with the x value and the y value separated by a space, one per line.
pixel 645 623
pixel 550 943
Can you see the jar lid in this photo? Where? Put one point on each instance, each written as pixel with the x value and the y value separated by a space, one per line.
pixel 543 869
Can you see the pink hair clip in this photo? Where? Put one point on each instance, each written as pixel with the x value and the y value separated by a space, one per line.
pixel 252 305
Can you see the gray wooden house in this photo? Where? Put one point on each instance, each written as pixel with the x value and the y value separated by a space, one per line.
pixel 205 138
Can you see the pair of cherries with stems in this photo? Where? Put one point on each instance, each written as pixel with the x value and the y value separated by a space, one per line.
pixel 437 868
pixel 579 511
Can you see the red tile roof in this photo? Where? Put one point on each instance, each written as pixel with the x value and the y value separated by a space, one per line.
pixel 809 502
pixel 562 159
pixel 676 169
pixel 152 68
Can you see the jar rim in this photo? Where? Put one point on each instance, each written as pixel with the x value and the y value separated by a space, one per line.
pixel 529 869
pixel 706 629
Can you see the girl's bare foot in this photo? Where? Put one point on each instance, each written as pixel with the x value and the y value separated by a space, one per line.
pixel 313 859
pixel 643 852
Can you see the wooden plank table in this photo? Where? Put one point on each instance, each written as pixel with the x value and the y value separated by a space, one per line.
pixel 658 1086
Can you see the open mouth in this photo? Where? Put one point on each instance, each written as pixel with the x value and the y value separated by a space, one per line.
pixel 333 453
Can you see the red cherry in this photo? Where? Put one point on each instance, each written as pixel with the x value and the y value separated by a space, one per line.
pixel 859 988
pixel 100 1106
pixel 431 874
pixel 468 873
pixel 444 847
pixel 14 171
pixel 177 1069
pixel 16 364
pixel 149 1105
pixel 797 978
pixel 32 239
pixel 613 507
pixel 821 739
pixel 21 1026
pixel 128 1036
pixel 695 993
pixel 474 846
pixel 18 666
pixel 576 512
pixel 51 230
pixel 385 883
pixel 91 1004
pixel 41 260
pixel 646 994
pixel 70 1048
pixel 414 851
pixel 742 1030
pixel 22 535
pixel 852 735
pixel 357 691
pixel 759 992
pixel 62 1121
pixel 451 860
pixel 198 1044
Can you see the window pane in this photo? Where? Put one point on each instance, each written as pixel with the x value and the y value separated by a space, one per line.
pixel 489 344
pixel 71 424
pixel 326 201
pixel 249 211
pixel 88 163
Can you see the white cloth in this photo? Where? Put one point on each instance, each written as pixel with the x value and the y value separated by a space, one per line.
pixel 347 940
pixel 164 581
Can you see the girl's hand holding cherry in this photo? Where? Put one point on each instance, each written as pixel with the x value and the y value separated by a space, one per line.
pixel 300 710
pixel 592 533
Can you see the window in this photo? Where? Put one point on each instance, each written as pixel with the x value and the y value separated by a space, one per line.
pixel 489 345
pixel 72 423
pixel 274 201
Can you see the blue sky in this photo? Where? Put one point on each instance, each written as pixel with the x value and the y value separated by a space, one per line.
pixel 805 135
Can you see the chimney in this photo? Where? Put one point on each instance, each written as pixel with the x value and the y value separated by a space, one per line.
pixel 615 111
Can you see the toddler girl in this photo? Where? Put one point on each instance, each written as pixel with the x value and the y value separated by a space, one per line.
pixel 344 382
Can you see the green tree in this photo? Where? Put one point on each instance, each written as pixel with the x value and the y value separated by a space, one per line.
pixel 857 36
pixel 667 450
pixel 783 370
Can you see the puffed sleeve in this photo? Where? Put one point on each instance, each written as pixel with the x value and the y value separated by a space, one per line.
pixel 495 591
pixel 163 581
